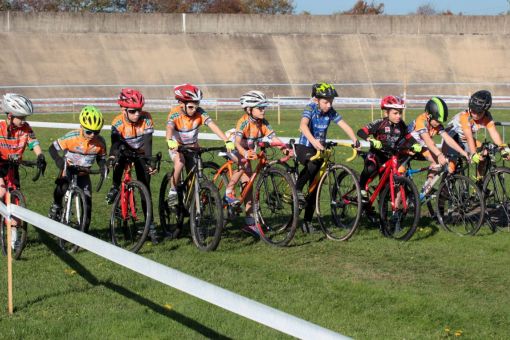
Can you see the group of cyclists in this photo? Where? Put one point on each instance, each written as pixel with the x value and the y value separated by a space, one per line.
pixel 133 129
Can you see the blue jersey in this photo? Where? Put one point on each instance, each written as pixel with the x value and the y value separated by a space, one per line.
pixel 318 122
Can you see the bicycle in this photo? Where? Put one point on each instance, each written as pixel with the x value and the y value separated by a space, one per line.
pixel 496 189
pixel 338 203
pixel 459 204
pixel 75 207
pixel 275 201
pixel 19 234
pixel 128 226
pixel 198 198
pixel 399 203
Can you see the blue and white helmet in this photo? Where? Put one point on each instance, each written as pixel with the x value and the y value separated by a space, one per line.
pixel 17 105
pixel 254 99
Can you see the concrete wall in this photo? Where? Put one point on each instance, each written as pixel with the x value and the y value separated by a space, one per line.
pixel 81 50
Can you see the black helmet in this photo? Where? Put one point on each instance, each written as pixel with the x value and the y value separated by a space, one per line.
pixel 480 101
pixel 437 109
pixel 324 90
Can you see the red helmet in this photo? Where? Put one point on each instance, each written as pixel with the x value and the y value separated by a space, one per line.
pixel 392 102
pixel 187 93
pixel 131 99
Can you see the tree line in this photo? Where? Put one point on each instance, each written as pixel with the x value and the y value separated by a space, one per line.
pixel 361 7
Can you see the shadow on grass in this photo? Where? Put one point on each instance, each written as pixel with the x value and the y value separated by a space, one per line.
pixel 91 279
pixel 427 227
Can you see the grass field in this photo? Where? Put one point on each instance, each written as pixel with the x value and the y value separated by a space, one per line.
pixel 437 285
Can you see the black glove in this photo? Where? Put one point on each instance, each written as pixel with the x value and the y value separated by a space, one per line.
pixel 357 144
pixel 60 161
pixel 41 163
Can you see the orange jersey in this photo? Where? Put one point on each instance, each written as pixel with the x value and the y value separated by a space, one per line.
pixel 422 125
pixel 80 151
pixel 186 127
pixel 252 131
pixel 132 134
pixel 463 120
pixel 15 140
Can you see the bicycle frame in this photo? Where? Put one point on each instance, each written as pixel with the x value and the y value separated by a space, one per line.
pixel 127 195
pixel 387 171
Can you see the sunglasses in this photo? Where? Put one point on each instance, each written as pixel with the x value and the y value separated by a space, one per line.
pixel 133 111
pixel 191 107
pixel 91 132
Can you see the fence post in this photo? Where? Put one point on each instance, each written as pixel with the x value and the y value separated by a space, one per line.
pixel 278 109
pixel 372 112
pixel 9 254
pixel 216 108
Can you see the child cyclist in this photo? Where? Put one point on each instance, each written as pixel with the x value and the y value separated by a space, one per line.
pixel 386 136
pixel 314 126
pixel 465 124
pixel 251 128
pixel 82 148
pixel 184 121
pixel 423 128
pixel 132 129
pixel 15 135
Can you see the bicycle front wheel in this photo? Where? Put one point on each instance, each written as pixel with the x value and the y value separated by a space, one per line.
pixel 74 215
pixel 275 206
pixel 496 189
pixel 206 217
pixel 129 229
pixel 171 216
pixel 400 216
pixel 460 205
pixel 339 203
pixel 18 233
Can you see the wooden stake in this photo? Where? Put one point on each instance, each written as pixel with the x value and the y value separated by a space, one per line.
pixel 9 256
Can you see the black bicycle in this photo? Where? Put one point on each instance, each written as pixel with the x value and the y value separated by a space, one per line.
pixel 75 205
pixel 198 198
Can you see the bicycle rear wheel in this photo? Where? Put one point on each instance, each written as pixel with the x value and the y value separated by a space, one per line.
pixel 74 215
pixel 171 217
pixel 275 206
pixel 339 203
pixel 19 233
pixel 460 205
pixel 399 219
pixel 206 217
pixel 130 231
pixel 496 189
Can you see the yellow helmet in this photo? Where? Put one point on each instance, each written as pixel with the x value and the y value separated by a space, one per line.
pixel 91 118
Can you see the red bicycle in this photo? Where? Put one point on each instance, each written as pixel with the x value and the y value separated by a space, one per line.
pixel 132 208
pixel 15 196
pixel 399 202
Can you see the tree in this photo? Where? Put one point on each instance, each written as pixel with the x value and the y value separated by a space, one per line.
pixel 426 9
pixel 269 6
pixel 362 7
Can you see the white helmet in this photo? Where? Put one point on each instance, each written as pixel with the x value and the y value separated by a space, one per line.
pixel 253 99
pixel 17 105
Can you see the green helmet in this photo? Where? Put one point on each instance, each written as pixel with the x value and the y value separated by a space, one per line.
pixel 91 118
pixel 437 109
pixel 324 90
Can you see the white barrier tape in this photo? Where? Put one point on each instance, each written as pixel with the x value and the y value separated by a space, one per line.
pixel 161 133
pixel 218 296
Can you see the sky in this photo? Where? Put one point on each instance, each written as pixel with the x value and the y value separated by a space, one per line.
pixel 402 7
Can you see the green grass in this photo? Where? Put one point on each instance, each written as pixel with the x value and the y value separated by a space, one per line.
pixel 369 287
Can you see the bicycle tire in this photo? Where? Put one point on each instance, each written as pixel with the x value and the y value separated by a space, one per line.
pixel 338 203
pixel 270 197
pixel 400 223
pixel 17 198
pixel 171 217
pixel 131 233
pixel 496 190
pixel 207 227
pixel 460 205
pixel 76 218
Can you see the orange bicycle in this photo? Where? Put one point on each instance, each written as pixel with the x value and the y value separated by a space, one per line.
pixel 275 201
